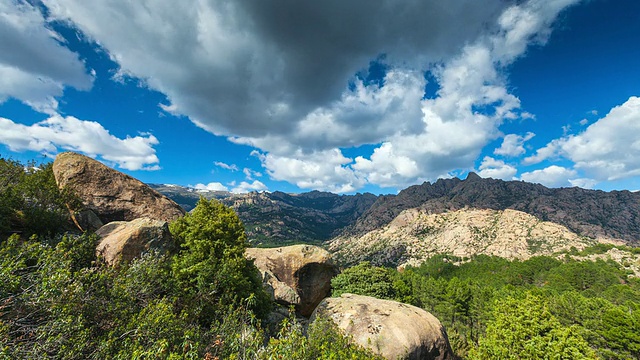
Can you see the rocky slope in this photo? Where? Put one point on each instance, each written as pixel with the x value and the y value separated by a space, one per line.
pixel 591 213
pixel 416 235
pixel 278 218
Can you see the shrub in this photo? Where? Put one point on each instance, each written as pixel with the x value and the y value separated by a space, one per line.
pixel 210 268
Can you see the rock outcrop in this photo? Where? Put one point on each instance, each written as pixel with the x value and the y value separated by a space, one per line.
pixel 389 328
pixel 298 275
pixel 123 241
pixel 463 233
pixel 110 194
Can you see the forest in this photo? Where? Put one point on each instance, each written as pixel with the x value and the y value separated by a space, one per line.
pixel 58 299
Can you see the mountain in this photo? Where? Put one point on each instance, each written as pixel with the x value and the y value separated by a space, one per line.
pixel 591 213
pixel 416 235
pixel 279 218
pixel 187 197
pixel 314 217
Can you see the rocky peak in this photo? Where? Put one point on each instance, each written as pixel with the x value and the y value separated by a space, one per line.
pixel 471 177
pixel 591 213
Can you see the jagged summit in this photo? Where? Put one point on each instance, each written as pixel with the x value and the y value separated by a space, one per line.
pixel 319 216
pixel 472 177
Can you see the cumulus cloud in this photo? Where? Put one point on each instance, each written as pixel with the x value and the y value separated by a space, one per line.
pixel 497 169
pixel 280 76
pixel 251 174
pixel 267 64
pixel 88 137
pixel 609 149
pixel 225 166
pixel 212 186
pixel 323 170
pixel 548 151
pixel 513 145
pixel 584 183
pixel 552 176
pixel 245 187
pixel 34 66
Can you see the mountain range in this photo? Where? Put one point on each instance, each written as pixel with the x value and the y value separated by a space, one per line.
pixel 592 213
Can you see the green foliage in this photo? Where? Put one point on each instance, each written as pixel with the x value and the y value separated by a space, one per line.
pixel 364 279
pixel 205 301
pixel 524 328
pixel 210 268
pixel 324 342
pixel 592 302
pixel 30 202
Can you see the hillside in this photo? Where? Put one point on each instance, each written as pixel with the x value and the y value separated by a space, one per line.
pixel 315 217
pixel 489 279
pixel 591 213
pixel 279 218
pixel 416 235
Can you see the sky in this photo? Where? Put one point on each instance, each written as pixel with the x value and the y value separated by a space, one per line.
pixel 341 96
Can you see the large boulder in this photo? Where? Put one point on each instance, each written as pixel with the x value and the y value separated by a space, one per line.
pixel 123 241
pixel 110 194
pixel 298 275
pixel 389 328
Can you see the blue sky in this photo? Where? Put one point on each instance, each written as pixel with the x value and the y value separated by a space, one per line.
pixel 332 95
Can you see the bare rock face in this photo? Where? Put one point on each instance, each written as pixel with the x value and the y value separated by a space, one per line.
pixel 110 194
pixel 389 328
pixel 297 275
pixel 123 241
pixel 510 234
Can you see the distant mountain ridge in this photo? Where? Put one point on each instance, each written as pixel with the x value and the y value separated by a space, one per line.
pixel 279 218
pixel 316 217
pixel 592 213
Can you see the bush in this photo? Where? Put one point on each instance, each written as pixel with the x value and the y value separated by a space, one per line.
pixel 364 279
pixel 30 201
pixel 210 268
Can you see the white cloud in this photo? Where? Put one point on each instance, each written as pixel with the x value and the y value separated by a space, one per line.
pixel 222 165
pixel 88 137
pixel 245 187
pixel 583 183
pixel 547 152
pixel 279 76
pixel 267 60
pixel 212 186
pixel 552 176
pixel 453 132
pixel 608 149
pixel 319 170
pixel 497 169
pixel 513 145
pixel 251 174
pixel 34 67
pixel 584 122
